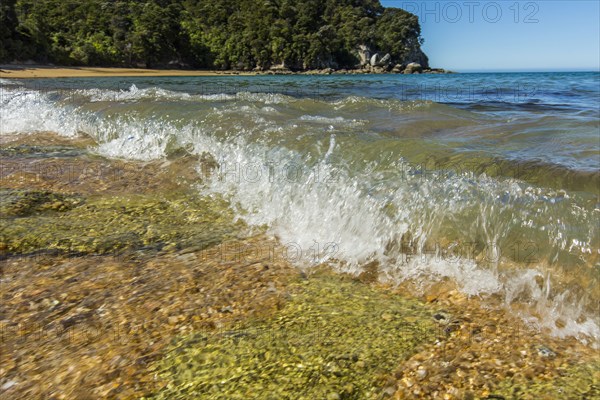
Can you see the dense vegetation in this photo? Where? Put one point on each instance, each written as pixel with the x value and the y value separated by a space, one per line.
pixel 227 34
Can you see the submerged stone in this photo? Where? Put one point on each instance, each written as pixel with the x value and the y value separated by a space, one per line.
pixel 109 225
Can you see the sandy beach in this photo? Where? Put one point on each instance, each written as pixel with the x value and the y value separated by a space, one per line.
pixel 35 71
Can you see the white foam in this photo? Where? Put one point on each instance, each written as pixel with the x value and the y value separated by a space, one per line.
pixel 133 93
pixel 336 121
pixel 10 82
pixel 28 111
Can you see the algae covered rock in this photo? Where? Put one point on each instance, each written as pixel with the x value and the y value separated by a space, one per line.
pixel 109 225
pixel 334 339
pixel 19 203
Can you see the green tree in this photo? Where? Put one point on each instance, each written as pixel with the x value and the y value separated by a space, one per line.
pixel 224 34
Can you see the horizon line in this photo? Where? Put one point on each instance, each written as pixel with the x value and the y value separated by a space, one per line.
pixel 482 70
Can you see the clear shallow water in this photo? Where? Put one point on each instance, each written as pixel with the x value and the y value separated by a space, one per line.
pixel 490 180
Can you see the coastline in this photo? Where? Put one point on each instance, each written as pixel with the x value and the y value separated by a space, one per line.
pixel 23 71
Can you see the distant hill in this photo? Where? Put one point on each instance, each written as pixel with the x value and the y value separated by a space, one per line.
pixel 213 34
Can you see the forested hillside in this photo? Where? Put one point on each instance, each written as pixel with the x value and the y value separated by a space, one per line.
pixel 221 34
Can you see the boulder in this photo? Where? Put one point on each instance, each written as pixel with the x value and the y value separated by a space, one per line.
pixel 398 68
pixel 437 71
pixel 385 61
pixel 279 67
pixel 174 64
pixel 364 54
pixel 413 68
pixel 415 55
pixel 375 59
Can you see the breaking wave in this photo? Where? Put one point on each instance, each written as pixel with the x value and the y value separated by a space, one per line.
pixel 346 179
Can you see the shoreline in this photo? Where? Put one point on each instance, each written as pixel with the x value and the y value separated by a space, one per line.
pixel 22 71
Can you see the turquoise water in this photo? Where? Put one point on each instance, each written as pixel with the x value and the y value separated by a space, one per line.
pixel 557 111
pixel 488 180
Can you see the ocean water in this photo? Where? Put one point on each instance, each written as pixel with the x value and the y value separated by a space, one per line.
pixel 491 181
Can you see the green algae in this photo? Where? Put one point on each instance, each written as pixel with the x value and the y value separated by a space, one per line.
pixel 576 382
pixel 109 225
pixel 19 203
pixel 334 339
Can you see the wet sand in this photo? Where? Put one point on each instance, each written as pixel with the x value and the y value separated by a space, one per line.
pixel 119 281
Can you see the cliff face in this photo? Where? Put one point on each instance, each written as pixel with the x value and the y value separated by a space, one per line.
pixel 415 54
pixel 216 34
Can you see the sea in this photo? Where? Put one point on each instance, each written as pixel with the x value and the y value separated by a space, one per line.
pixel 489 181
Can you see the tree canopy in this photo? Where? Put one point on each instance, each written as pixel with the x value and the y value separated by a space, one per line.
pixel 222 34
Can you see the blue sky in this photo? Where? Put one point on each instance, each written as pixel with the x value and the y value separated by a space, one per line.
pixel 509 35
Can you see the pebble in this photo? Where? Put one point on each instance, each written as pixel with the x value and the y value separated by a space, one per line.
pixel 390 390
pixel 349 388
pixel 8 385
pixel 407 382
pixel 545 352
pixel 441 318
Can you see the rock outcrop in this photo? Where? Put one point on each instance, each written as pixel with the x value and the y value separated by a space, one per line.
pixel 375 60
pixel 385 61
pixel 363 53
pixel 398 68
pixel 413 68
